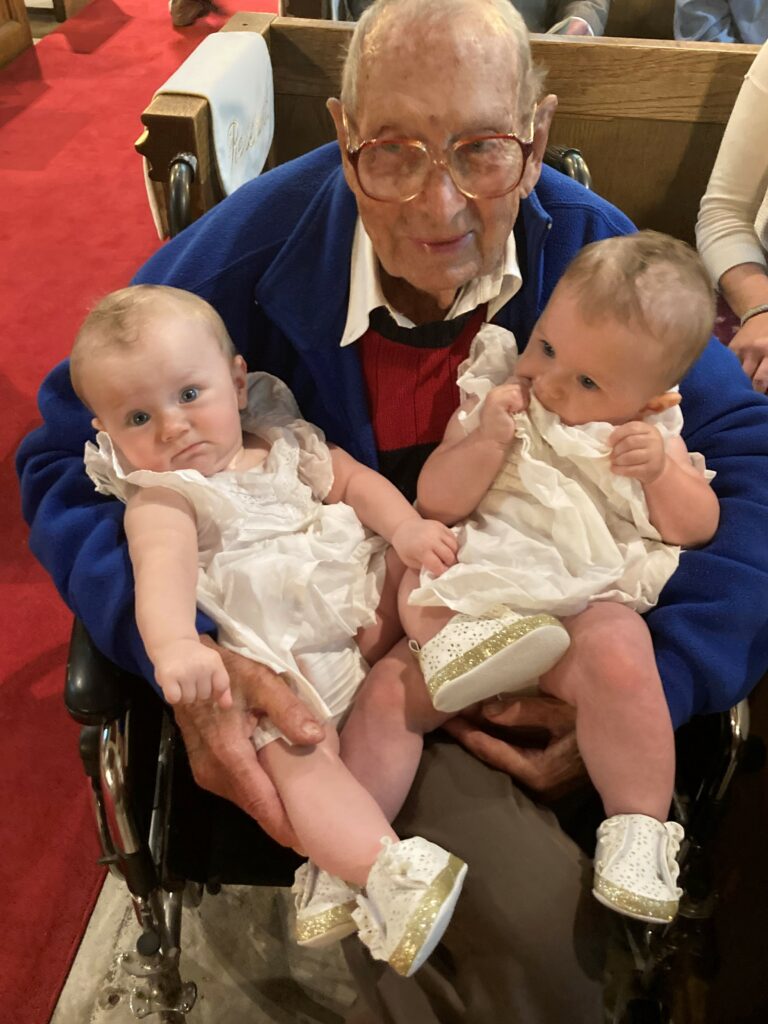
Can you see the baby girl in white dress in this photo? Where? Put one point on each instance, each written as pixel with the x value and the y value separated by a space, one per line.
pixel 572 493
pixel 233 502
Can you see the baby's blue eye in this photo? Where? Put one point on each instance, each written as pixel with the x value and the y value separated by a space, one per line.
pixel 189 394
pixel 138 419
pixel 588 383
pixel 547 349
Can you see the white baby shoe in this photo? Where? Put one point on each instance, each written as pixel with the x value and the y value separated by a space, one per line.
pixel 636 867
pixel 324 906
pixel 409 898
pixel 474 658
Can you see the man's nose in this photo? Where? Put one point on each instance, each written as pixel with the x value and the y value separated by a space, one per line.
pixel 440 193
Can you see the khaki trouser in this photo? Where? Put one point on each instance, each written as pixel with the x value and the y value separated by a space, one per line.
pixel 527 940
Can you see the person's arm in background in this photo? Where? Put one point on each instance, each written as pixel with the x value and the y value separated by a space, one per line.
pixel 580 17
pixel 708 21
pixel 725 231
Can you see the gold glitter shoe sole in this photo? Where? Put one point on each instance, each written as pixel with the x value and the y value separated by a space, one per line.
pixel 324 929
pixel 430 919
pixel 508 660
pixel 632 904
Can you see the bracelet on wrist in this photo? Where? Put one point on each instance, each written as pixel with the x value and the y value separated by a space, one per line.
pixel 753 311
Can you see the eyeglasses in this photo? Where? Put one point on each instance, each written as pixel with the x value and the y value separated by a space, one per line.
pixel 480 166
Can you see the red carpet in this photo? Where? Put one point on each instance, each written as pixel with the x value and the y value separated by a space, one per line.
pixel 73 224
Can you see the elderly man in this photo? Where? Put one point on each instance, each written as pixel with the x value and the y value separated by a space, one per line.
pixel 359 274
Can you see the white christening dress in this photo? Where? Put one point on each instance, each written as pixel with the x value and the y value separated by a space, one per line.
pixel 287 579
pixel 557 529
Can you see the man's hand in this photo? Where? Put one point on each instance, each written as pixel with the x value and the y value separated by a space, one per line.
pixel 188 671
pixel 533 739
pixel 497 421
pixel 638 451
pixel 750 344
pixel 425 543
pixel 218 741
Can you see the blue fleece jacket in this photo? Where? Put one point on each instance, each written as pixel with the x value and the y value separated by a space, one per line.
pixel 274 260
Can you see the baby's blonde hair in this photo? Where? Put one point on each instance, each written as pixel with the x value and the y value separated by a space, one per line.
pixel 117 321
pixel 652 281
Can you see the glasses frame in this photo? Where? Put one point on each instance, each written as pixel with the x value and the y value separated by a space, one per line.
pixel 354 153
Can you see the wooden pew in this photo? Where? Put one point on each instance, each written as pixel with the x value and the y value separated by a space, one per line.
pixel 647 115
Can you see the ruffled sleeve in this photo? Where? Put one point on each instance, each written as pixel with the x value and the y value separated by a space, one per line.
pixel 273 414
pixel 103 467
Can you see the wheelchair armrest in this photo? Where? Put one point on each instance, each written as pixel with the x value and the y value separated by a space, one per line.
pixel 95 690
pixel 570 162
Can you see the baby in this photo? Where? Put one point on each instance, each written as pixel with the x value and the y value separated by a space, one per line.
pixel 236 504
pixel 572 493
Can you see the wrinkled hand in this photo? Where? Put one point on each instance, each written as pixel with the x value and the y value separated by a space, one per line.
pixel 497 422
pixel 500 732
pixel 425 543
pixel 218 741
pixel 638 451
pixel 187 671
pixel 750 344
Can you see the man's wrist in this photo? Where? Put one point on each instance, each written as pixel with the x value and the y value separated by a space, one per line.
pixel 758 310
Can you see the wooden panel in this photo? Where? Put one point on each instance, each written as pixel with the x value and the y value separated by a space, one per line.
pixel 660 79
pixel 655 171
pixel 15 34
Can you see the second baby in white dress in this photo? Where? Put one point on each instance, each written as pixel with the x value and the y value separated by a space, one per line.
pixel 571 493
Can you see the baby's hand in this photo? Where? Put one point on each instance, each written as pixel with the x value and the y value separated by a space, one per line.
pixel 497 414
pixel 188 671
pixel 638 451
pixel 425 543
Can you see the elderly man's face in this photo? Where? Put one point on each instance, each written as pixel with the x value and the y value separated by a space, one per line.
pixel 438 88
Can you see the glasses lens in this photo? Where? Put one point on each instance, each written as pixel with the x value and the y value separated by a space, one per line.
pixel 392 170
pixel 487 166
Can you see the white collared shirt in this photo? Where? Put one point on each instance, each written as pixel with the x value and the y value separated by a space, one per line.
pixel 365 293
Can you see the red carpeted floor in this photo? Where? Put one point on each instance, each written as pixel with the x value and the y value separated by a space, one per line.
pixel 73 224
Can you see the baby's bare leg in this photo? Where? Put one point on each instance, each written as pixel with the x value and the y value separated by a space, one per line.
pixel 382 739
pixel 623 726
pixel 374 641
pixel 339 825
pixel 420 623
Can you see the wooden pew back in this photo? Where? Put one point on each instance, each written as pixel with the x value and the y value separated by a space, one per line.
pixel 647 115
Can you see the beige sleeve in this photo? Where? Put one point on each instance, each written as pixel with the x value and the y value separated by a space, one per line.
pixel 738 186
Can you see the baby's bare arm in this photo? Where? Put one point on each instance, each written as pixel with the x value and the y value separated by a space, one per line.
pixel 419 543
pixel 162 539
pixel 461 469
pixel 681 504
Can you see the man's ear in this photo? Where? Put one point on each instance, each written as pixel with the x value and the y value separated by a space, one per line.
pixel 97 424
pixel 542 122
pixel 662 402
pixel 335 109
pixel 240 380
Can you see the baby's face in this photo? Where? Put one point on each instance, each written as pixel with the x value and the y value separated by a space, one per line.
pixel 172 400
pixel 590 371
